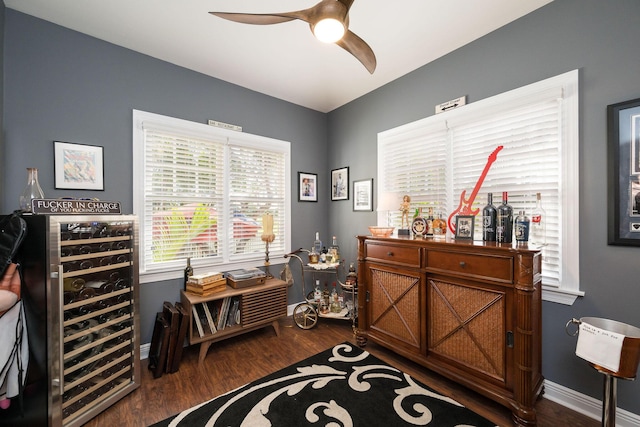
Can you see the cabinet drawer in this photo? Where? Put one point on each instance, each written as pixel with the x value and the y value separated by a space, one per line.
pixel 396 254
pixel 488 267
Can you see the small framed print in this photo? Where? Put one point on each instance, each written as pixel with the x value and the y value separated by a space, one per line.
pixel 78 166
pixel 464 227
pixel 340 184
pixel 307 187
pixel 363 195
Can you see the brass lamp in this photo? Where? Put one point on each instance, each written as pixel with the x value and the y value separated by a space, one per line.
pixel 267 237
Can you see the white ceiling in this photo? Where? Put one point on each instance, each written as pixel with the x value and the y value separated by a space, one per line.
pixel 285 60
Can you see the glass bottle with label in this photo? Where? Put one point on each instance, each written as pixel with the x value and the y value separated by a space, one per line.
pixel 317 294
pixel 334 250
pixel 504 221
pixel 538 230
pixel 522 228
pixel 317 244
pixel 489 214
pixel 430 220
pixel 439 227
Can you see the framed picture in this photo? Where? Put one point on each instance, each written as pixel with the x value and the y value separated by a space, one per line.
pixel 78 166
pixel 363 195
pixel 623 122
pixel 340 184
pixel 464 227
pixel 307 187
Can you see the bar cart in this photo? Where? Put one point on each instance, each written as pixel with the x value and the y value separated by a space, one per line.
pixel 307 313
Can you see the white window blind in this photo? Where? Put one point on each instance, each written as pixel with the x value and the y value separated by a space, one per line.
pixel 201 193
pixel 435 159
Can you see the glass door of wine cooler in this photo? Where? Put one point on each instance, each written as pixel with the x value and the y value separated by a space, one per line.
pixel 98 350
pixel 92 321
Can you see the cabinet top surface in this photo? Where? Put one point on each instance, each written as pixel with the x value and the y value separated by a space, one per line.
pixel 229 291
pixel 450 244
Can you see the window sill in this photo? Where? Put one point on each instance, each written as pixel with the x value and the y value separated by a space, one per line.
pixel 560 296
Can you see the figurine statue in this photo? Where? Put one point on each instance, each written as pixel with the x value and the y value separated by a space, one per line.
pixel 405 206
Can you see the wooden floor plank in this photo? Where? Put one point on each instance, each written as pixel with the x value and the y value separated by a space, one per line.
pixel 239 360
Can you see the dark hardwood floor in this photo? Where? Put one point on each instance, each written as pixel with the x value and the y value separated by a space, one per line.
pixel 242 359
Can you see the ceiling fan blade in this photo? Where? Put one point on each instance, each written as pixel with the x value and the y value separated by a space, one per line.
pixel 262 18
pixel 347 3
pixel 358 48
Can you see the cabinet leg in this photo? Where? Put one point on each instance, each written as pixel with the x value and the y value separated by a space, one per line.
pixel 204 348
pixel 276 327
pixel 361 338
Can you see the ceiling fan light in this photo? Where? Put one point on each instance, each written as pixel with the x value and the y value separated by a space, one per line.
pixel 328 30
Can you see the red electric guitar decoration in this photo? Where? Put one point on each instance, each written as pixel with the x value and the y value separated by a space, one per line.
pixel 464 208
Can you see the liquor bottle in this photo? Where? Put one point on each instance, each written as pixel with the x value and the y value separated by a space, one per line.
pixel 314 256
pixel 188 272
pixel 439 227
pixel 430 219
pixel 538 230
pixel 335 305
pixel 504 221
pixel 522 228
pixel 317 244
pixel 325 299
pixel 334 250
pixel 489 214
pixel 352 277
pixel 317 294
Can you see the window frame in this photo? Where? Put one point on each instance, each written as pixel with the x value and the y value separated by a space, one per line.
pixel 174 270
pixel 567 86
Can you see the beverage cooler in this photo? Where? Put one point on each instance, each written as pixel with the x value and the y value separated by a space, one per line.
pixel 80 294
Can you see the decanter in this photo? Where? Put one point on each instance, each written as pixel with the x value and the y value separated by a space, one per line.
pixel 31 191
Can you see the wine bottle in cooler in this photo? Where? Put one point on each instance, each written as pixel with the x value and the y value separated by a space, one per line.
pixel 489 214
pixel 538 230
pixel 504 221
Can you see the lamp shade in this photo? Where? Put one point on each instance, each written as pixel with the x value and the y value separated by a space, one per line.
pixel 329 30
pixel 389 201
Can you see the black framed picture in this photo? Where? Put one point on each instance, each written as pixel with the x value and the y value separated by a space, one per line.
pixel 363 195
pixel 307 187
pixel 340 184
pixel 623 122
pixel 464 227
pixel 78 166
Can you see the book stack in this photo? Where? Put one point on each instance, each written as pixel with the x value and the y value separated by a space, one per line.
pixel 206 284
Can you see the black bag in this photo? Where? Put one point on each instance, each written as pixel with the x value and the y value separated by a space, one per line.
pixel 13 229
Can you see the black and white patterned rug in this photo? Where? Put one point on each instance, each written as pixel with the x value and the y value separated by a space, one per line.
pixel 340 387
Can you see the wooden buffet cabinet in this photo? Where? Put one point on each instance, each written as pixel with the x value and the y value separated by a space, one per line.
pixel 470 311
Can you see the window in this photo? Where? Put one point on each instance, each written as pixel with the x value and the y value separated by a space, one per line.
pixel 200 192
pixel 437 158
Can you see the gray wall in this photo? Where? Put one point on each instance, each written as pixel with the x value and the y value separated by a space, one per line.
pixel 61 85
pixel 66 86
pixel 601 40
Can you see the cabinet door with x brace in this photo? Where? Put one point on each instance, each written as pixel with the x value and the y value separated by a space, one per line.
pixel 394 298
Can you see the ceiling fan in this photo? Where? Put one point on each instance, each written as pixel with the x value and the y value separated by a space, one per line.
pixel 329 22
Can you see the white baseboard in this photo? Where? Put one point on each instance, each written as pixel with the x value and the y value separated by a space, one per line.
pixel 586 405
pixel 144 351
pixel 564 396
